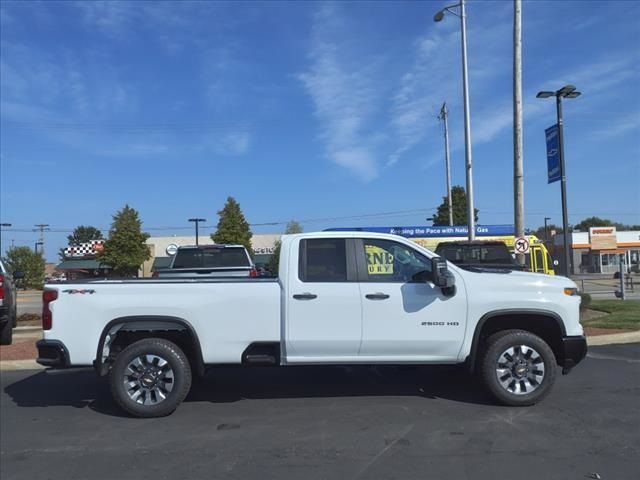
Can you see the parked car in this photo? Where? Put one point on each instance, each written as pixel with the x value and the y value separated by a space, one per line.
pixel 341 298
pixel 209 261
pixel 8 307
pixel 479 255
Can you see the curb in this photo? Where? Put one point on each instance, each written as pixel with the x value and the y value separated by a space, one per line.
pixel 27 328
pixel 614 339
pixel 6 365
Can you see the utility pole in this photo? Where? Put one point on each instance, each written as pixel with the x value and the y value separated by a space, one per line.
pixel 518 176
pixel 444 116
pixel 41 227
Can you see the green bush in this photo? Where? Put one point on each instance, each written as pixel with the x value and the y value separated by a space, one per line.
pixel 585 300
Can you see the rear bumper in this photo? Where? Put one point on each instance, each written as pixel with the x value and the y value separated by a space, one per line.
pixel 574 350
pixel 52 353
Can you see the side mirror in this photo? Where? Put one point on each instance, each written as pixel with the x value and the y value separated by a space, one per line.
pixel 18 275
pixel 442 277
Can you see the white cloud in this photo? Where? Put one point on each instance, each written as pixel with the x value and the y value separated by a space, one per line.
pixel 343 97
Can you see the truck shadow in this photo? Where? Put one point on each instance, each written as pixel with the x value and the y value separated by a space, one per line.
pixel 82 388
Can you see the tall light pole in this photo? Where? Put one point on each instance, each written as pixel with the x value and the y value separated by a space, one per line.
pixel 546 232
pixel 568 91
pixel 2 225
pixel 197 221
pixel 467 115
pixel 518 163
pixel 444 116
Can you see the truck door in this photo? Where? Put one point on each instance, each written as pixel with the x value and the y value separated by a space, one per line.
pixel 403 313
pixel 324 308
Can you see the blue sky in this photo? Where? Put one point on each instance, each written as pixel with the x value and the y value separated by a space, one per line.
pixel 307 111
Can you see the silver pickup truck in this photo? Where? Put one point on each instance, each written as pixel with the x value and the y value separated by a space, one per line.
pixel 206 261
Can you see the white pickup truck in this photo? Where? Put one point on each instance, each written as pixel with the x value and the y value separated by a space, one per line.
pixel 341 298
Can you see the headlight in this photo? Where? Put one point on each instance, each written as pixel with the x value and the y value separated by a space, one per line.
pixel 571 291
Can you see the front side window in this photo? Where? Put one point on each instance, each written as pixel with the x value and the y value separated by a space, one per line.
pixel 389 261
pixel 323 260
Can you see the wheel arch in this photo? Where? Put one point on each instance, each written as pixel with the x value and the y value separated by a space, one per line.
pixel 547 324
pixel 164 325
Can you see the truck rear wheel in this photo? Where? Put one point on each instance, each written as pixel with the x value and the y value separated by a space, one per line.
pixel 518 368
pixel 150 378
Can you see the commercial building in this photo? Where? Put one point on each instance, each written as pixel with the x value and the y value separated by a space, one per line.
pixel 601 249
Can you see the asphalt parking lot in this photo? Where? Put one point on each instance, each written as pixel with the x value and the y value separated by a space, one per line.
pixel 328 422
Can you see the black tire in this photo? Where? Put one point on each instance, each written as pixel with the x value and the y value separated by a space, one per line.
pixel 506 384
pixel 6 334
pixel 181 378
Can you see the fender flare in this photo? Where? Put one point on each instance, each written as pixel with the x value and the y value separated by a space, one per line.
pixel 471 359
pixel 149 323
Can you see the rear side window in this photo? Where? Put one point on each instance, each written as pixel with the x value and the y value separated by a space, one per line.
pixel 227 257
pixel 323 260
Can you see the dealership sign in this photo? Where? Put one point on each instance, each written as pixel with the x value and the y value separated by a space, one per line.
pixel 439 231
pixel 553 154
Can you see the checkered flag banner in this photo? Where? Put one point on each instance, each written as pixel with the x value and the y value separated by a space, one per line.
pixel 87 249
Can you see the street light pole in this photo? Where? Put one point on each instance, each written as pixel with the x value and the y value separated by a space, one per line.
pixel 197 221
pixel 546 232
pixel 467 114
pixel 563 190
pixel 444 116
pixel 568 91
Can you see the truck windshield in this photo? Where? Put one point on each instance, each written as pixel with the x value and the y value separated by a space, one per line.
pixel 224 257
pixel 476 254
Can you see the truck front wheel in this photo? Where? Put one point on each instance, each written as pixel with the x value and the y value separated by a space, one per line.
pixel 518 368
pixel 150 378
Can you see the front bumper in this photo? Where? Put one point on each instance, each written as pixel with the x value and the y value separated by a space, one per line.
pixel 52 353
pixel 574 349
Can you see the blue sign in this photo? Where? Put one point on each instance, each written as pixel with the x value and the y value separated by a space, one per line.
pixel 553 154
pixel 441 231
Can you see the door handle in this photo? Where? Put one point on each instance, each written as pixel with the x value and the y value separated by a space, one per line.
pixel 305 296
pixel 376 296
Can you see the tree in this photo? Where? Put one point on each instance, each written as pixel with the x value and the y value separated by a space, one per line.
pixel 274 261
pixel 587 223
pixel 81 234
pixel 459 201
pixel 552 229
pixel 25 260
pixel 232 227
pixel 125 249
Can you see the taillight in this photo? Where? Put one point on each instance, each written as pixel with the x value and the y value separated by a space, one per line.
pixel 253 272
pixel 48 296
